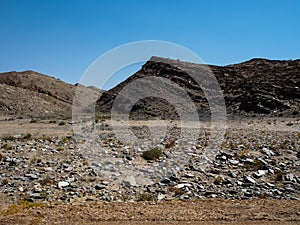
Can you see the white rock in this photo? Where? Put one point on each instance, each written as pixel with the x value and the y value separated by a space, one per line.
pixel 160 197
pixel 129 181
pixel 250 179
pixel 260 173
pixel 183 185
pixel 63 184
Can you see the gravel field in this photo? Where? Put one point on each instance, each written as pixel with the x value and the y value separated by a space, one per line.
pixel 52 177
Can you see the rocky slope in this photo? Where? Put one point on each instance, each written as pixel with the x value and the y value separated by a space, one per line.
pixel 31 94
pixel 258 86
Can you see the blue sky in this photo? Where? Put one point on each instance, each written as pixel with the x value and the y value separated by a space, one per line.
pixel 62 38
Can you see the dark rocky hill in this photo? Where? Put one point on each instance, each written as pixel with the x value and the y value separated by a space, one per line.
pixel 254 87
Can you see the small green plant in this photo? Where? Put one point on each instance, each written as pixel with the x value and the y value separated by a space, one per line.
pixel 27 136
pixel 8 138
pixel 64 139
pixel 7 147
pixel 146 197
pixel 26 204
pixel 152 154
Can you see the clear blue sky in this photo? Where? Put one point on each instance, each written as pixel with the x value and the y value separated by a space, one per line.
pixel 62 38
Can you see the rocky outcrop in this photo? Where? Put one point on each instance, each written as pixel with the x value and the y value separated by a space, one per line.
pixel 258 86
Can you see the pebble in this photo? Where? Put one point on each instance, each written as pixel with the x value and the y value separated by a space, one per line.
pixel 63 184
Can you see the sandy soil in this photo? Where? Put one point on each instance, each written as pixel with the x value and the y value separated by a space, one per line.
pixel 197 212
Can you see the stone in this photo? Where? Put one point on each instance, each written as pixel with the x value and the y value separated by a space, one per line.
pixel 189 175
pixel 232 174
pixel 129 181
pixel 260 173
pixel 234 162
pixel 182 185
pixel 267 152
pixel 63 184
pixel 100 186
pixel 160 197
pixel 31 176
pixel 249 179
pixel 289 177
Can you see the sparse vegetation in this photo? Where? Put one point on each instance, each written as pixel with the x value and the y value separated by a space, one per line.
pixel 8 138
pixel 7 147
pixel 146 197
pixel 27 136
pixel 64 139
pixel 152 154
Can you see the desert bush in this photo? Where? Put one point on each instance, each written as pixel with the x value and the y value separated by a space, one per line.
pixel 27 136
pixel 6 147
pixel 52 121
pixel 33 121
pixel 152 154
pixel 8 138
pixel 146 197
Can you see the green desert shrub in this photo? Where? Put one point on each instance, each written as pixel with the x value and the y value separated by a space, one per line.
pixel 27 136
pixel 6 147
pixel 146 197
pixel 8 138
pixel 152 154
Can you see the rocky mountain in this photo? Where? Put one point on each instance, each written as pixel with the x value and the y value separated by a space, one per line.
pixel 254 87
pixel 31 94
